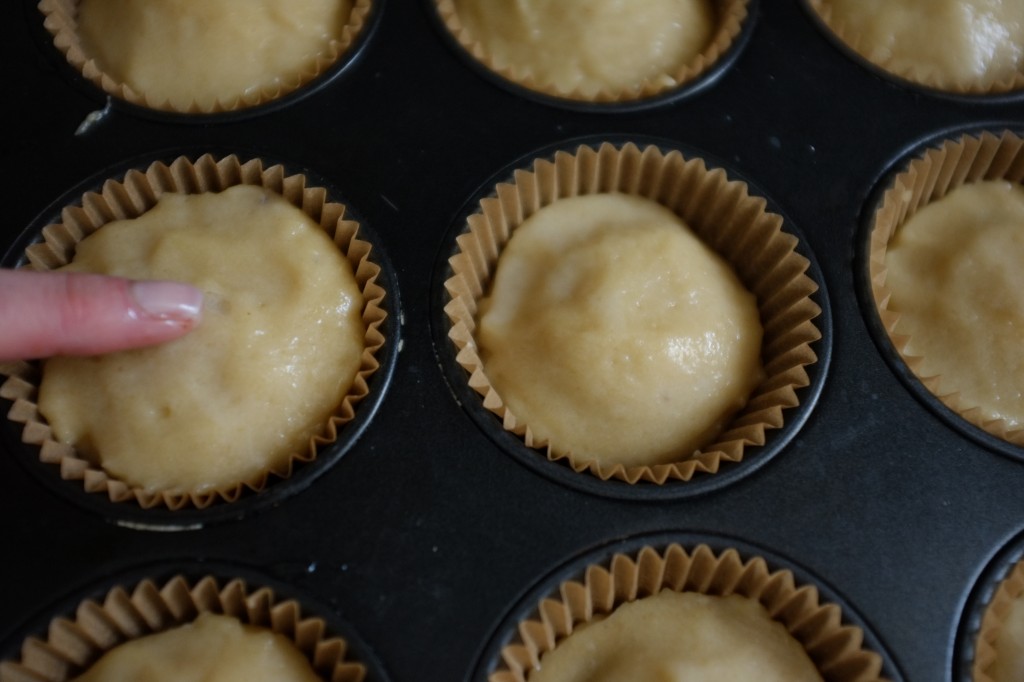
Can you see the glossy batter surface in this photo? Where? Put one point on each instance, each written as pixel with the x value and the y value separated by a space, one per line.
pixel 590 45
pixel 613 331
pixel 680 637
pixel 213 648
pixel 279 344
pixel 954 269
pixel 214 50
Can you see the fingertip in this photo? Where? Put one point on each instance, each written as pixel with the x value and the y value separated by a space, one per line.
pixel 154 312
pixel 168 300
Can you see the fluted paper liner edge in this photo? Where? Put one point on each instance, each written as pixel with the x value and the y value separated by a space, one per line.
pixel 730 17
pixel 73 643
pixel 128 198
pixel 722 213
pixel 927 178
pixel 835 646
pixel 913 73
pixel 986 651
pixel 61 20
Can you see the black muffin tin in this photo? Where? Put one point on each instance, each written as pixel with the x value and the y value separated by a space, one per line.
pixel 425 535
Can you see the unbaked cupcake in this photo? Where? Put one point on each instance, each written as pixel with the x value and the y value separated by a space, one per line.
pixel 999 648
pixel 944 266
pixel 730 610
pixel 144 443
pixel 958 46
pixel 746 252
pixel 590 51
pixel 229 613
pixel 208 57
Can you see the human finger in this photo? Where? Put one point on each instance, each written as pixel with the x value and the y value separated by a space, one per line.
pixel 57 313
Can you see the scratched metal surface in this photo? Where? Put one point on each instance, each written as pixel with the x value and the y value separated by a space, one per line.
pixel 423 537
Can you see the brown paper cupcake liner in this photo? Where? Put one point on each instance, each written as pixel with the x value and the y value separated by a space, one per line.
pixel 985 652
pixel 72 644
pixel 928 178
pixel 723 214
pixel 61 20
pixel 129 198
pixel 730 14
pixel 835 647
pixel 920 74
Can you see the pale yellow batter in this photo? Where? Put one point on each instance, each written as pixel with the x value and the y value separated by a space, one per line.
pixel 954 42
pixel 213 648
pixel 279 345
pixel 590 45
pixel 955 273
pixel 208 51
pixel 680 637
pixel 613 331
pixel 1009 646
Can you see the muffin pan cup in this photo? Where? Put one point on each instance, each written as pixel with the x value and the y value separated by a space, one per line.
pixel 150 599
pixel 62 35
pixel 434 527
pixel 733 25
pixel 595 583
pixel 876 60
pixel 759 244
pixel 925 174
pixel 999 582
pixel 130 193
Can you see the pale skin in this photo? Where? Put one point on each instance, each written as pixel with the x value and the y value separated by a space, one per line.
pixel 55 313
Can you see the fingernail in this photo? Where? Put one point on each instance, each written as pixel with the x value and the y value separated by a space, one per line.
pixel 168 300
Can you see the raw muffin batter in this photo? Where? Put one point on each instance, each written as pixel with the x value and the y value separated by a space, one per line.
pixel 680 637
pixel 1008 665
pixel 279 345
pixel 613 331
pixel 213 648
pixel 180 51
pixel 954 270
pixel 590 45
pixel 954 42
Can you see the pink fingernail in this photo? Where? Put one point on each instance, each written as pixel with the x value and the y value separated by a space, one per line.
pixel 168 300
